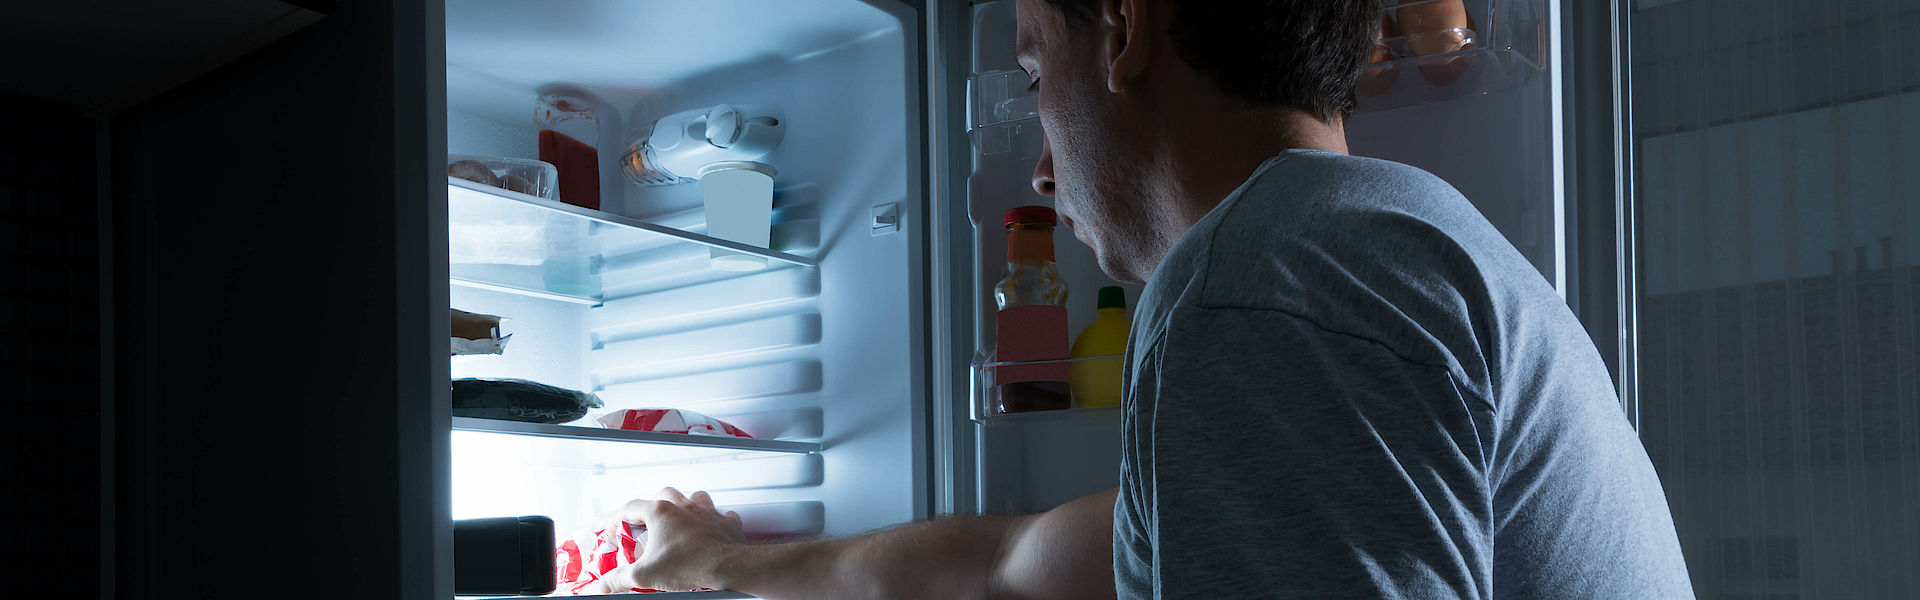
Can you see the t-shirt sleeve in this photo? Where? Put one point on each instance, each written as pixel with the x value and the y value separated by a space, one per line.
pixel 1291 461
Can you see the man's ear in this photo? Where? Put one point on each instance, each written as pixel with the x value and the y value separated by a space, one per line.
pixel 1125 25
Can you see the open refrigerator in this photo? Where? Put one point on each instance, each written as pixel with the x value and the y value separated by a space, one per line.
pixel 860 358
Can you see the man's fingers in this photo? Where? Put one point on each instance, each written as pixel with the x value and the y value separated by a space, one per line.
pixel 671 495
pixel 617 581
pixel 702 498
pixel 643 511
pixel 638 575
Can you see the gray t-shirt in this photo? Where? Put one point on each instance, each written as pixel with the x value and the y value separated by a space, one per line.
pixel 1344 383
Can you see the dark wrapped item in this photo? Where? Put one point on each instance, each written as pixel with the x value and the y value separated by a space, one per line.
pixel 519 400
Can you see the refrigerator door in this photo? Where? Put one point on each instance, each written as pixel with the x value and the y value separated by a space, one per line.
pixel 279 326
pixel 1487 119
pixel 1032 461
pixel 1484 117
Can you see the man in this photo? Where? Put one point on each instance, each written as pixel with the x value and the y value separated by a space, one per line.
pixel 1342 382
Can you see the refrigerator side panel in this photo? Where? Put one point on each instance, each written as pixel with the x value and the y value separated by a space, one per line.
pixel 949 27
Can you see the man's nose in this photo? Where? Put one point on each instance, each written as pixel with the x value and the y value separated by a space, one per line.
pixel 1043 172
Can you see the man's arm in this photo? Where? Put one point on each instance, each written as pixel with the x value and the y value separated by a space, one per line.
pixel 1065 553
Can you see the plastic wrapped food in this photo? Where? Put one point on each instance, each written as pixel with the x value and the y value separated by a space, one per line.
pixel 669 420
pixel 475 333
pixel 519 400
pixel 474 171
pixel 530 177
pixel 581 560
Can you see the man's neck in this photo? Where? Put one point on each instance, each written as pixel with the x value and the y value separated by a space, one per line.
pixel 1209 151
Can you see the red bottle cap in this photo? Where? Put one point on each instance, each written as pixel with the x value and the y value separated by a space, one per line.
pixel 1031 214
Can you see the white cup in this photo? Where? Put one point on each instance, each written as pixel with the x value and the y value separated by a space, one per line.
pixel 739 197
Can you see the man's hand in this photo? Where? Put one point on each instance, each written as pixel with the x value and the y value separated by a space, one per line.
pixel 687 540
pixel 1062 554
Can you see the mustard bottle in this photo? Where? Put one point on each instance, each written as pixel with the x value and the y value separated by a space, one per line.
pixel 1097 382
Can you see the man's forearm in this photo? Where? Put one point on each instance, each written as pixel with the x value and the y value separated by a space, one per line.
pixel 946 559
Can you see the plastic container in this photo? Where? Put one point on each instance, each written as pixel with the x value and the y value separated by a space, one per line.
pixel 530 177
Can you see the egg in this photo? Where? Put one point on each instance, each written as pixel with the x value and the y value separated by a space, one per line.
pixel 1375 81
pixel 1381 51
pixel 1444 72
pixel 1437 27
pixel 1424 16
pixel 1439 42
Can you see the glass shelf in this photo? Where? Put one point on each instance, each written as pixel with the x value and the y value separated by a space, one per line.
pixel 616 444
pixel 509 241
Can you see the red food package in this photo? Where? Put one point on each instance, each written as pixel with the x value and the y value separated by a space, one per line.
pixel 669 420
pixel 583 559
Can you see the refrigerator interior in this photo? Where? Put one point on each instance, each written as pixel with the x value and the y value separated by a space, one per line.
pixel 1490 130
pixel 827 355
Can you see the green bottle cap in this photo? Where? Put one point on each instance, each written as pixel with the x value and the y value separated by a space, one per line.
pixel 1112 297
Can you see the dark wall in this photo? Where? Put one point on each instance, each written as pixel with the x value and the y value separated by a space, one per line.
pixel 275 319
pixel 49 349
pixel 1781 416
pixel 1701 63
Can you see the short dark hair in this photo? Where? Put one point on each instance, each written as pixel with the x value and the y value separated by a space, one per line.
pixel 1301 53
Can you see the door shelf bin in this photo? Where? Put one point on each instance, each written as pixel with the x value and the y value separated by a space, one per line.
pixel 1004 114
pixel 1507 46
pixel 508 241
pixel 1423 79
pixel 986 394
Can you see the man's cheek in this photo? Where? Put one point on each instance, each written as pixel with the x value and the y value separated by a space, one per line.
pixel 1084 236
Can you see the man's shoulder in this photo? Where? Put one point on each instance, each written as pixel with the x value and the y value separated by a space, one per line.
pixel 1362 246
pixel 1308 217
pixel 1318 194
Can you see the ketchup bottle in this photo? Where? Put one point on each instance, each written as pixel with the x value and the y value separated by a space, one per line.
pixel 1032 322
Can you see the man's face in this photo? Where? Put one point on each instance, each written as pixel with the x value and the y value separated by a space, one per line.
pixel 1089 165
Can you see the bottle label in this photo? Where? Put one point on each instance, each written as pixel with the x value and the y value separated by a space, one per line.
pixel 1023 244
pixel 1031 333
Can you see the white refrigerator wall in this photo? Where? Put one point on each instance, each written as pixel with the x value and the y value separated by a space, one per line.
pixel 822 354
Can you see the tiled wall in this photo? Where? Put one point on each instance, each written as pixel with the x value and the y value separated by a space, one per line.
pixel 49 350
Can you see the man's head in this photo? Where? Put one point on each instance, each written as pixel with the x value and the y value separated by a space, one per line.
pixel 1116 80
